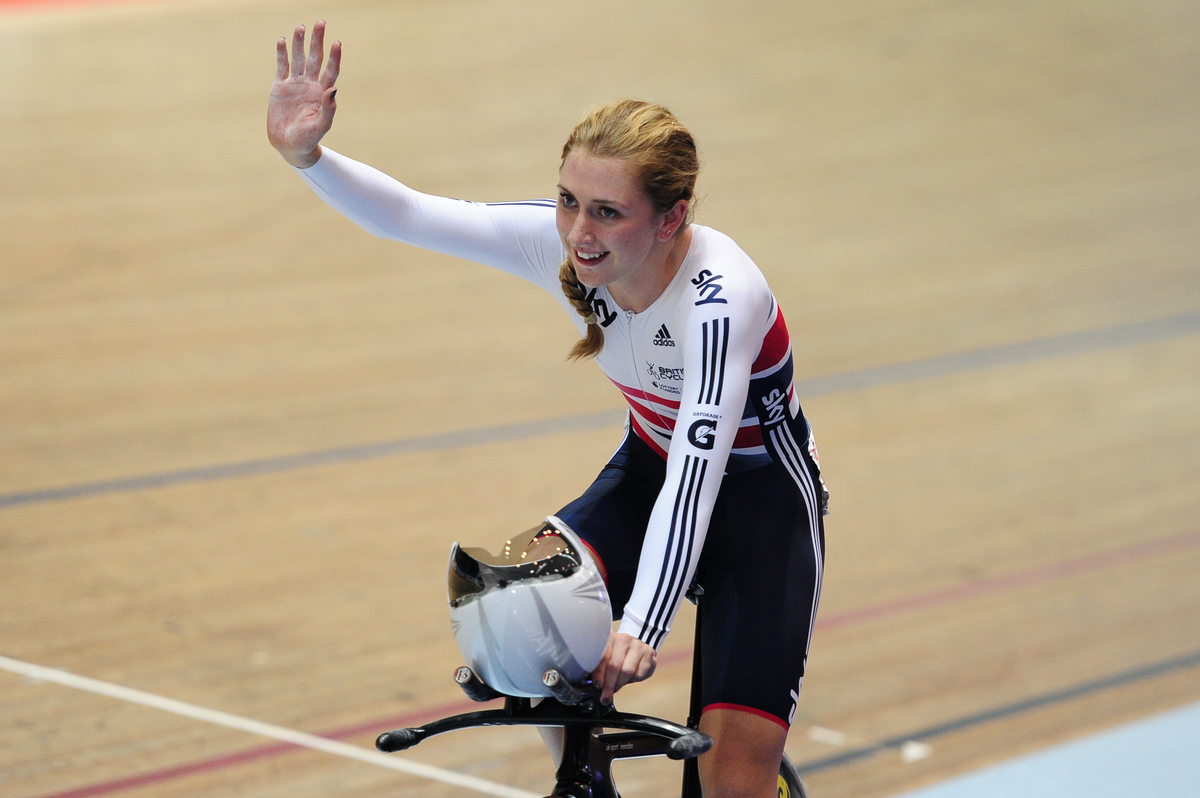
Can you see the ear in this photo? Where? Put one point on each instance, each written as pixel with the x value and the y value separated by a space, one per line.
pixel 673 220
pixel 677 214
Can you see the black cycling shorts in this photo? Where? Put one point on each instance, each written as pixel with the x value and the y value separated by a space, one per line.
pixel 760 569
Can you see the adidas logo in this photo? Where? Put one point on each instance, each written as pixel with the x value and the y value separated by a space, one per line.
pixel 663 337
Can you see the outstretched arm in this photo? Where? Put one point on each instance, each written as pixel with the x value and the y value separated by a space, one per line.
pixel 301 107
pixel 519 238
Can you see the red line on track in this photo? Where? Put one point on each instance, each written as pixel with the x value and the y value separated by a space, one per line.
pixel 262 752
pixel 167 774
pixel 996 584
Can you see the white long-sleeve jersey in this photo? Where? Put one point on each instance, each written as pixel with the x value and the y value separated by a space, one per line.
pixel 706 369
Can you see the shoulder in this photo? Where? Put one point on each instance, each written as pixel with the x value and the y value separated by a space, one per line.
pixel 534 213
pixel 530 227
pixel 721 277
pixel 539 207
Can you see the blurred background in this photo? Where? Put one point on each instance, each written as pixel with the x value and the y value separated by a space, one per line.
pixel 238 435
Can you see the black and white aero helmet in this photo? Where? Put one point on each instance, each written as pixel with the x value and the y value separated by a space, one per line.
pixel 539 604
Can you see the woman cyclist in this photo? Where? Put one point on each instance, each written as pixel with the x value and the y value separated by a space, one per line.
pixel 717 476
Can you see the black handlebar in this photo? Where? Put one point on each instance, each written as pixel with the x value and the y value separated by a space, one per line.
pixel 399 740
pixel 575 706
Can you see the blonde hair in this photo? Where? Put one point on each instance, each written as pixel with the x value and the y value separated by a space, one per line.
pixel 663 154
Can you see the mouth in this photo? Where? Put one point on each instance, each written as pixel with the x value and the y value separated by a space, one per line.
pixel 589 258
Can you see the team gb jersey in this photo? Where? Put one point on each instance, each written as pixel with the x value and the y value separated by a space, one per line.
pixel 706 369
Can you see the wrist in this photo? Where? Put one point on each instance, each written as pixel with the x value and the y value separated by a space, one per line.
pixel 302 160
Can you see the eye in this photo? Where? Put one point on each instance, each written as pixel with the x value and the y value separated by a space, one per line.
pixel 606 212
pixel 566 200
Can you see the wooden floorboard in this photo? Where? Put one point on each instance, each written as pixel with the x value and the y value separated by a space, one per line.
pixel 917 180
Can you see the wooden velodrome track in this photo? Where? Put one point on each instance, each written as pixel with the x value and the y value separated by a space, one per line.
pixel 238 435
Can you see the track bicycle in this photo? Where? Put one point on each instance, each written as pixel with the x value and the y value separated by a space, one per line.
pixel 588 749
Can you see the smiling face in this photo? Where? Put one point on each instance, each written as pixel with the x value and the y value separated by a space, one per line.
pixel 613 235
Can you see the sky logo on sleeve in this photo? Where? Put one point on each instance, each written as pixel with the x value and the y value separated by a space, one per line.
pixel 706 283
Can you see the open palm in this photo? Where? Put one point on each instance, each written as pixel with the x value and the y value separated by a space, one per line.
pixel 300 110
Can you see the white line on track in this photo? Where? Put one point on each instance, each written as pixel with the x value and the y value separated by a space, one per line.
pixel 262 729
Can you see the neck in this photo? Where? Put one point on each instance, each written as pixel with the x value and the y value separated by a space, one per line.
pixel 660 269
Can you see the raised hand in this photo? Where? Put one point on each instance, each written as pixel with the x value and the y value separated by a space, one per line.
pixel 300 110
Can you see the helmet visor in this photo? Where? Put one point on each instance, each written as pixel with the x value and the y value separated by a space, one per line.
pixel 540 553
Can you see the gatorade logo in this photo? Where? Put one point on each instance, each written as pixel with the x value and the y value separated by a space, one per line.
pixel 702 434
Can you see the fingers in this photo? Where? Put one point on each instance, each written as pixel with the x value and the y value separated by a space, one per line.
pixel 629 664
pixel 301 65
pixel 316 50
pixel 626 659
pixel 281 59
pixel 601 672
pixel 334 66
pixel 328 107
pixel 298 52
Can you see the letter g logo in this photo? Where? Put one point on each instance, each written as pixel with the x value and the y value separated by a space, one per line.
pixel 702 433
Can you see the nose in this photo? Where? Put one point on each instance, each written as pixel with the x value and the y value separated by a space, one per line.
pixel 581 231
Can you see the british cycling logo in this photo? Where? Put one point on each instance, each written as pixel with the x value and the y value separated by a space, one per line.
pixel 663 373
pixel 659 375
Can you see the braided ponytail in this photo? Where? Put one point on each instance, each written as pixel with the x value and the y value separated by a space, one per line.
pixel 577 295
